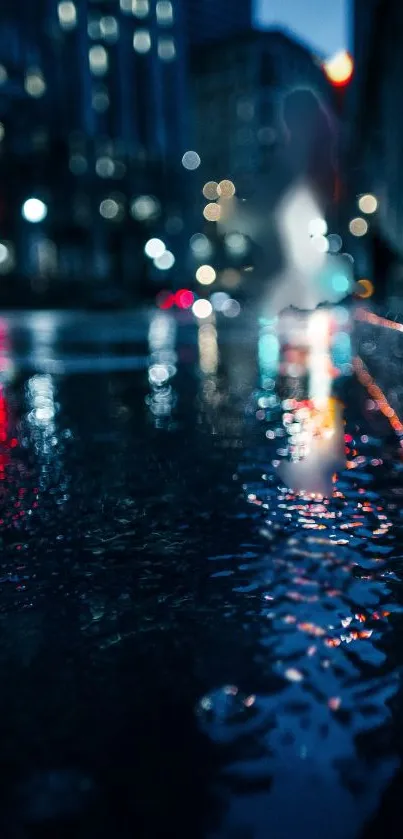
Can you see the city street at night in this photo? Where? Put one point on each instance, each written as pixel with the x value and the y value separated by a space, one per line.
pixel 189 647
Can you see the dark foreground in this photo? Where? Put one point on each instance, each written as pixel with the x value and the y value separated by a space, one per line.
pixel 188 649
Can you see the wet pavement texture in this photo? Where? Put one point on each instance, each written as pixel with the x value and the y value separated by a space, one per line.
pixel 188 647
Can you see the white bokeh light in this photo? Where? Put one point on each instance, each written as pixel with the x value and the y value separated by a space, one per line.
pixel 154 248
pixel 34 210
pixel 191 160
pixel 202 309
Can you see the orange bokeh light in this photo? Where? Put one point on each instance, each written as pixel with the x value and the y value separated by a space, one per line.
pixel 364 289
pixel 339 68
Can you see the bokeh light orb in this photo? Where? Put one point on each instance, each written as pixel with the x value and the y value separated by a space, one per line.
pixel 226 189
pixel 34 210
pixel 212 212
pixel 339 69
pixel 109 208
pixel 202 309
pixel 358 226
pixel 210 190
pixel 145 207
pixel 205 274
pixel 368 203
pixel 154 248
pixel 165 261
pixel 340 283
pixel 364 289
pixel 200 246
pixel 191 160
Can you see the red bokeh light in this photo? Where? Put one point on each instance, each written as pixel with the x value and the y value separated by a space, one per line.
pixel 184 298
pixel 165 300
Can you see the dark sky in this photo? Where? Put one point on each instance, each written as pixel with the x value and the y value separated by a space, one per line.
pixel 322 24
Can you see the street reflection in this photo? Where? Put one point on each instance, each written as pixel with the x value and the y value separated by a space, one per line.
pixel 297 374
pixel 161 367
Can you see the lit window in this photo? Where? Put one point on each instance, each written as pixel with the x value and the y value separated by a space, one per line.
pixel 34 83
pixel 164 12
pixel 2 132
pixel 126 5
pixel 100 101
pixel 3 74
pixel 109 28
pixel 142 41
pixel 140 8
pixel 67 14
pixel 98 57
pixel 166 49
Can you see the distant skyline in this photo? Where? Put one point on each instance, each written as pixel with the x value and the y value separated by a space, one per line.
pixel 323 26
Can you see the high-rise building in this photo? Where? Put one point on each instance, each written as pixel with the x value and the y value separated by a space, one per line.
pixel 376 120
pixel 93 94
pixel 238 88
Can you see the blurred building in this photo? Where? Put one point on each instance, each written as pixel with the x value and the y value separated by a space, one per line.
pixel 210 20
pixel 238 89
pixel 93 110
pixel 376 161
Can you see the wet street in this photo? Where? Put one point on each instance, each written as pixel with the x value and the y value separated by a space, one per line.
pixel 190 648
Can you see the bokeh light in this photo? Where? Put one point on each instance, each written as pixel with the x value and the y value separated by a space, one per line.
pixel 34 83
pixel 191 160
pixel 230 278
pixel 166 48
pixel 184 298
pixel 154 248
pixel 202 309
pixel 339 69
pixel 335 242
pixel 67 14
pixel 212 212
pixel 165 261
pixel 365 288
pixel 368 203
pixel 142 41
pixel 320 243
pixel 98 58
pixel 210 190
pixel 109 208
pixel 340 283
pixel 34 210
pixel 218 299
pixel 236 243
pixel 145 207
pixel 231 308
pixel 226 189
pixel 164 12
pixel 140 8
pixel 201 246
pixel 358 226
pixel 205 275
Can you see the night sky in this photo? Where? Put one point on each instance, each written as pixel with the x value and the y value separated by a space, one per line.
pixel 324 26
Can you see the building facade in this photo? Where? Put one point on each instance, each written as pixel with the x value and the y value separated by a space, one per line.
pixel 93 110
